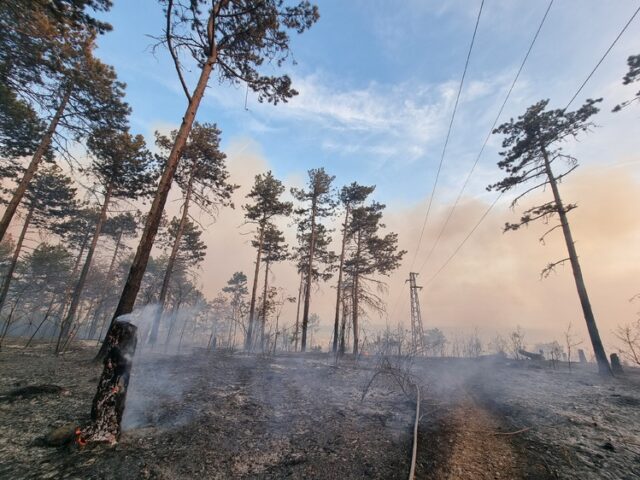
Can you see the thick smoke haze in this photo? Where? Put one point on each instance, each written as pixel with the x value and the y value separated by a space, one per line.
pixel 494 283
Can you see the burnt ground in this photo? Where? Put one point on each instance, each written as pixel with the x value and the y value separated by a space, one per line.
pixel 236 416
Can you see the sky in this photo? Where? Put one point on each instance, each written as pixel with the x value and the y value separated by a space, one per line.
pixel 377 82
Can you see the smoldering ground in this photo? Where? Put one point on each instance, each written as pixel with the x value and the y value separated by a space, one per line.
pixel 221 415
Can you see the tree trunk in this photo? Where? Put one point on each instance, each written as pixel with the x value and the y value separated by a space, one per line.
pixel 343 327
pixel 109 401
pixel 166 281
pixel 139 265
pixel 596 342
pixel 356 286
pixel 309 279
pixel 339 285
pixel 264 304
pixel 254 293
pixel 112 264
pixel 77 292
pixel 33 166
pixel 297 333
pixel 14 259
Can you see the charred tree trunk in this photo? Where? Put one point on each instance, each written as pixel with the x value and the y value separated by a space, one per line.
pixel 14 259
pixel 254 292
pixel 264 304
pixel 596 342
pixel 77 292
pixel 166 281
pixel 309 278
pixel 109 401
pixel 339 285
pixel 297 332
pixel 12 207
pixel 139 265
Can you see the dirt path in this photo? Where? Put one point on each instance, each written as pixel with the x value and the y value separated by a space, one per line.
pixel 465 441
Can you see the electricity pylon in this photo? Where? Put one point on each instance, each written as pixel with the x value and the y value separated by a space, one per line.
pixel 417 331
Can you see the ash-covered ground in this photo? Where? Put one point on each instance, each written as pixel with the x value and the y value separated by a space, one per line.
pixel 214 415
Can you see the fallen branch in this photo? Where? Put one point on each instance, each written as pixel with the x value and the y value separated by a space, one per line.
pixel 414 454
pixel 522 430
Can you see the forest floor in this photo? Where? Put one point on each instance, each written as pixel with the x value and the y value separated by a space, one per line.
pixel 226 416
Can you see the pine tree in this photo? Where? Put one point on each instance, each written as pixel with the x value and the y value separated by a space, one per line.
pixel 274 249
pixel 351 196
pixel 186 254
pixel 369 254
pixel 62 78
pixel 531 147
pixel 236 38
pixel 632 76
pixel 203 177
pixel 123 169
pixel 237 290
pixel 49 200
pixel 318 203
pixel 266 206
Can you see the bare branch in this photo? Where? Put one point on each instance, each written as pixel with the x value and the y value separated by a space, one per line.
pixel 552 268
pixel 172 51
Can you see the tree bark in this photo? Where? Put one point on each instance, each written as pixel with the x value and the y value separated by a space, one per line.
pixel 109 401
pixel 339 285
pixel 139 265
pixel 264 304
pixel 356 284
pixel 297 333
pixel 343 327
pixel 77 292
pixel 14 259
pixel 12 207
pixel 596 342
pixel 309 278
pixel 166 281
pixel 254 292
pixel 112 264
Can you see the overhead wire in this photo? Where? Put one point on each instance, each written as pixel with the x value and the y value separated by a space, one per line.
pixel 486 140
pixel 580 88
pixel 444 148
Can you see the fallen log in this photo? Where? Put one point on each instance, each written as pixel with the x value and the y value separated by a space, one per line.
pixel 109 401
pixel 531 355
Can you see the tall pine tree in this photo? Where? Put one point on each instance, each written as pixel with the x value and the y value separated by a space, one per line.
pixel 531 147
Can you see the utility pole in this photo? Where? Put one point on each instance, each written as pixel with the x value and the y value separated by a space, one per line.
pixel 417 331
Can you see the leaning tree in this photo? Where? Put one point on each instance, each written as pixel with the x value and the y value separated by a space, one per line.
pixel 234 37
pixel 531 147
pixel 204 180
pixel 50 199
pixel 49 63
pixel 123 168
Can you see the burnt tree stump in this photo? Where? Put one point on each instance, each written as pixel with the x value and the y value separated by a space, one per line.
pixel 616 366
pixel 109 401
pixel 582 356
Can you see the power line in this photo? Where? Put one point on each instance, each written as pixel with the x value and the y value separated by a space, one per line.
pixel 444 149
pixel 486 140
pixel 446 141
pixel 484 215
pixel 603 57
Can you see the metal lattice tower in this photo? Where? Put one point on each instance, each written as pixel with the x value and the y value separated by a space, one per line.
pixel 417 331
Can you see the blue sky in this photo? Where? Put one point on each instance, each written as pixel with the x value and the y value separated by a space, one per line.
pixel 377 81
